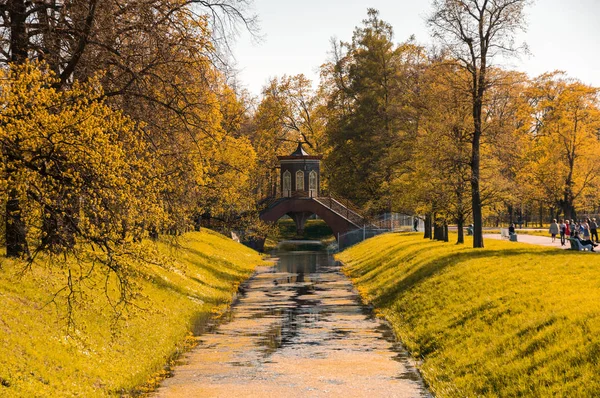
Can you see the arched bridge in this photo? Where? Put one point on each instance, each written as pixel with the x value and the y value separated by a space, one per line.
pixel 299 196
pixel 338 215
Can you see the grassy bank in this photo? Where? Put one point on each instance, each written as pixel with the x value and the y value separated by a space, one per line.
pixel 508 320
pixel 190 281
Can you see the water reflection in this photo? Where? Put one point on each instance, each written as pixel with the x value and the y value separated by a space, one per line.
pixel 297 262
pixel 298 328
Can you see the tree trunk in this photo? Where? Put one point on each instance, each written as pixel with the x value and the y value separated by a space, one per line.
pixel 16 242
pixel 438 229
pixel 16 233
pixel 18 33
pixel 475 194
pixel 478 91
pixel 438 232
pixel 427 233
pixel 566 209
pixel 445 232
pixel 60 223
pixel 460 222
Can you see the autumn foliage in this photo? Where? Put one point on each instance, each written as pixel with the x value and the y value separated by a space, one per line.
pixel 399 129
pixel 80 169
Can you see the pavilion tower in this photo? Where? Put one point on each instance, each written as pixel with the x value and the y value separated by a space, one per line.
pixel 300 178
pixel 300 174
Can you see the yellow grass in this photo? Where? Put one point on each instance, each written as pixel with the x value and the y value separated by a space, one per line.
pixel 37 357
pixel 508 320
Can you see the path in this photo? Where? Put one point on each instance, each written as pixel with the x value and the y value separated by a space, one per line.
pixel 297 331
pixel 534 240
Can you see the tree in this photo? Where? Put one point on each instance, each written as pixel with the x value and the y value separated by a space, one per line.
pixel 445 126
pixel 437 182
pixel 476 31
pixel 562 157
pixel 371 122
pixel 289 112
pixel 79 166
pixel 297 106
pixel 159 62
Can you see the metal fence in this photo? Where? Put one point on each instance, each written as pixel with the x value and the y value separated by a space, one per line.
pixel 398 222
pixel 358 235
pixel 388 222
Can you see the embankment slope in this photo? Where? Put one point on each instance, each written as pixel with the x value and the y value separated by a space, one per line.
pixel 508 320
pixel 187 280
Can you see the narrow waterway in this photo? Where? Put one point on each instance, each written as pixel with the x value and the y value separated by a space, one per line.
pixel 298 329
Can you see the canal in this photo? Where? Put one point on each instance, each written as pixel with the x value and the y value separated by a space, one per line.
pixel 297 329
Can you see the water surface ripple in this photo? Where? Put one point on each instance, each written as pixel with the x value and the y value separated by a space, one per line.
pixel 297 330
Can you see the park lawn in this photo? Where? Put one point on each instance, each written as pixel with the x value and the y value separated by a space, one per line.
pixel 505 321
pixel 193 279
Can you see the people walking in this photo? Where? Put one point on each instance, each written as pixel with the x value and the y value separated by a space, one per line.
pixel 586 229
pixel 554 230
pixel 562 227
pixel 594 230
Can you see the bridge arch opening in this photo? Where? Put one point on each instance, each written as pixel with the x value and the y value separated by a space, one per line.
pixel 299 209
pixel 285 228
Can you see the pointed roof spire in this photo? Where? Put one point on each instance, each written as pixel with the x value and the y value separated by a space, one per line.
pixel 299 151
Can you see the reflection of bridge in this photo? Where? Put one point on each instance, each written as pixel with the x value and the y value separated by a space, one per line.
pixel 299 196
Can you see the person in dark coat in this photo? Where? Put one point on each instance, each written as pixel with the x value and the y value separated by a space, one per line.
pixel 563 232
pixel 594 229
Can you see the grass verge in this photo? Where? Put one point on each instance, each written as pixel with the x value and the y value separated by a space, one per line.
pixel 505 321
pixel 191 280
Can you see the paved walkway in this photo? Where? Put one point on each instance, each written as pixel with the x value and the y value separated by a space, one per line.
pixel 534 240
pixel 299 330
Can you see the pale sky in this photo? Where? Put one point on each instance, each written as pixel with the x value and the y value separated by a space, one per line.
pixel 561 35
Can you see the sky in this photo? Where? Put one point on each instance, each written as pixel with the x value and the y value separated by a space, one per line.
pixel 295 36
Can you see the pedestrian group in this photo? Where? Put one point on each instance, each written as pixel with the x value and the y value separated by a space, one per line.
pixel 585 231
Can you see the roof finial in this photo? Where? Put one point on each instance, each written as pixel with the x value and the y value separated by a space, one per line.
pixel 299 151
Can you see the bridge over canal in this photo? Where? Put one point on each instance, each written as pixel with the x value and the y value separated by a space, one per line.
pixel 299 197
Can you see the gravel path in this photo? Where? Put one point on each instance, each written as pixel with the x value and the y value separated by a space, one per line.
pixel 534 240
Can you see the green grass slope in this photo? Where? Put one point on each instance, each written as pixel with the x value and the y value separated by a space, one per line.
pixel 191 280
pixel 510 320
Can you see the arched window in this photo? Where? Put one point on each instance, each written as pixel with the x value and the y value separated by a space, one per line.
pixel 287 183
pixel 312 184
pixel 299 180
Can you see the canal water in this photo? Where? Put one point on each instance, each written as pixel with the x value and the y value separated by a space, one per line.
pixel 297 329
